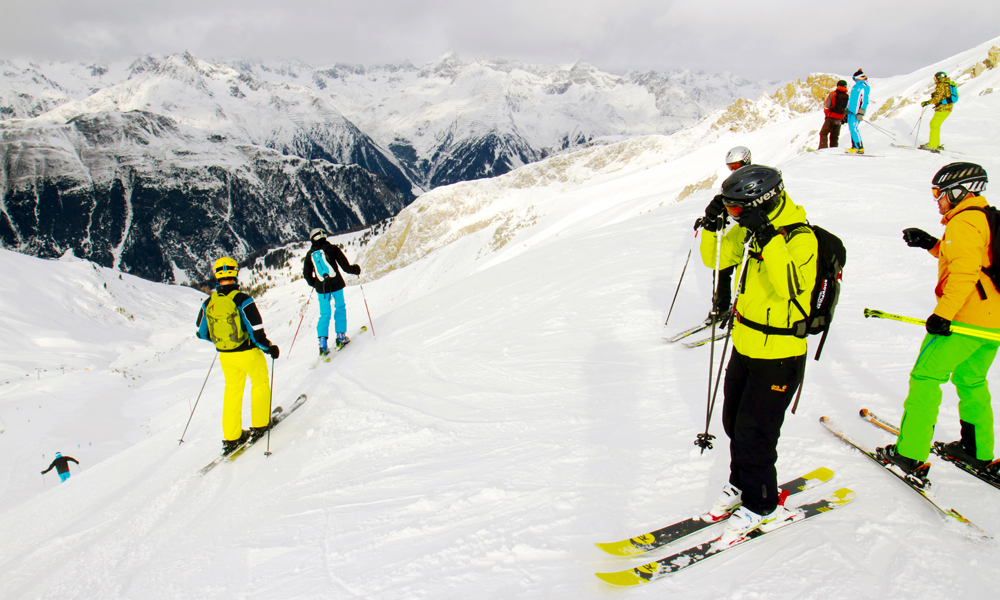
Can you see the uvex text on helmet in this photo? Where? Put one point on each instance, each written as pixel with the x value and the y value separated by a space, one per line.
pixel 753 186
pixel 317 234
pixel 969 176
pixel 739 154
pixel 226 268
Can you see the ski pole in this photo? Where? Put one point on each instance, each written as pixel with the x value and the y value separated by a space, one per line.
pixel 704 440
pixel 366 310
pixel 214 358
pixel 270 398
pixel 884 132
pixel 697 227
pixel 301 318
pixel 44 484
pixel 986 335
pixel 917 127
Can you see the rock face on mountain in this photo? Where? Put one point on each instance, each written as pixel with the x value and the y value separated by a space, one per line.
pixel 157 165
pixel 141 193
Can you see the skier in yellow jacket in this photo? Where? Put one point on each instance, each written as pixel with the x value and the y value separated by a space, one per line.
pixel 966 295
pixel 230 320
pixel 767 363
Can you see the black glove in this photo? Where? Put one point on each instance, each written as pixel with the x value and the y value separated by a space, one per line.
pixel 918 238
pixel 713 211
pixel 698 222
pixel 355 270
pixel 757 222
pixel 938 325
pixel 274 352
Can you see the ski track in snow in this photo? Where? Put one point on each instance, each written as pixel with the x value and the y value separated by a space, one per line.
pixel 504 419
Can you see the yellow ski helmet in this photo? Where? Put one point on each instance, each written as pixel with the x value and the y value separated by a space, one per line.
pixel 226 268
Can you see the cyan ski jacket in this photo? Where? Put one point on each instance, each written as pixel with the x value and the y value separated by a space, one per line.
pixel 859 97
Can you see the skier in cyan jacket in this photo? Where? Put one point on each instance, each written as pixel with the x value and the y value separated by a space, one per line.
pixel 857 104
pixel 320 270
pixel 61 465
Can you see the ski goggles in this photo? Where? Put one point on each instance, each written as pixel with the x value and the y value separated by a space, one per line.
pixel 734 166
pixel 733 207
pixel 937 192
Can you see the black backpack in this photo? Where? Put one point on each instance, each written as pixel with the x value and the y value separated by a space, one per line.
pixel 993 218
pixel 840 102
pixel 831 258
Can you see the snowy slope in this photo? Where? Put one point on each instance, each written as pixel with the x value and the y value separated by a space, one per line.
pixel 517 405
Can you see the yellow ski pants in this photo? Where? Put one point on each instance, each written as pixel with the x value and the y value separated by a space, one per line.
pixel 237 366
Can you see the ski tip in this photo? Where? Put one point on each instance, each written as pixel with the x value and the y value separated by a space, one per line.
pixel 627 578
pixel 841 497
pixel 821 474
pixel 622 548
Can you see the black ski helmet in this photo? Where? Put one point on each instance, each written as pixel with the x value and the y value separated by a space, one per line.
pixel 959 179
pixel 753 187
pixel 940 75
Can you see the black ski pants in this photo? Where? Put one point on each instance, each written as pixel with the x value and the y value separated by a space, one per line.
pixel 757 392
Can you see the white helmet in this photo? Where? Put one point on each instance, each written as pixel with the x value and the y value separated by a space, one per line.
pixel 317 234
pixel 740 155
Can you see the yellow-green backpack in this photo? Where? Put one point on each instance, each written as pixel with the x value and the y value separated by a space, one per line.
pixel 225 327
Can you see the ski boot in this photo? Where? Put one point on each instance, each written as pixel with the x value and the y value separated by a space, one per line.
pixel 935 149
pixel 323 349
pixel 957 451
pixel 258 432
pixel 342 340
pixel 228 446
pixel 744 521
pixel 914 470
pixel 730 498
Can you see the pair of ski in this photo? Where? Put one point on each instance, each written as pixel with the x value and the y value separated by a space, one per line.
pixel 919 486
pixel 938 448
pixel 325 358
pixel 939 150
pixel 721 334
pixel 686 558
pixel 277 416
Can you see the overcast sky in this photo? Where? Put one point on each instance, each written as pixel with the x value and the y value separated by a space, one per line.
pixel 769 39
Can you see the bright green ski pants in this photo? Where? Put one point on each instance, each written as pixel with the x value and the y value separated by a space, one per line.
pixel 936 121
pixel 964 359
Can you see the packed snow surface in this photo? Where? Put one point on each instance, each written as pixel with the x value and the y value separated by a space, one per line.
pixel 516 404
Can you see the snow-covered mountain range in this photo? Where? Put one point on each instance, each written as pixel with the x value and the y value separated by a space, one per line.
pixel 154 166
pixel 516 405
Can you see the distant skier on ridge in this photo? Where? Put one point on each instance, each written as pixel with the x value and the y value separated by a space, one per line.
pixel 768 360
pixel 856 106
pixel 61 464
pixel 966 295
pixel 835 109
pixel 943 102
pixel 230 320
pixel 320 271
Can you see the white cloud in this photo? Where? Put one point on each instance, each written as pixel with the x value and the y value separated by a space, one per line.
pixel 776 39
